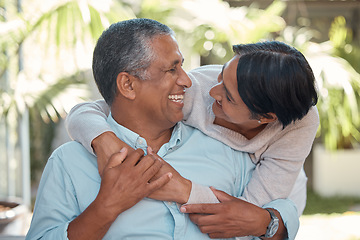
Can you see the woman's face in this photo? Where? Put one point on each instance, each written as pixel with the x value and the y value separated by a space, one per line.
pixel 228 104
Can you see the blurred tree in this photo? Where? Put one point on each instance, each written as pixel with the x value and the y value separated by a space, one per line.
pixel 56 38
pixel 334 63
pixel 34 37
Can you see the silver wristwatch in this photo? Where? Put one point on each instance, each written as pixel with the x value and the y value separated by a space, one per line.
pixel 273 225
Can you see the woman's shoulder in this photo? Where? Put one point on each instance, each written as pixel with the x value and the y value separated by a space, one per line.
pixel 310 119
pixel 308 125
pixel 205 74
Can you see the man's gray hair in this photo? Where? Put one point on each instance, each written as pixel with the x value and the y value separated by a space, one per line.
pixel 125 47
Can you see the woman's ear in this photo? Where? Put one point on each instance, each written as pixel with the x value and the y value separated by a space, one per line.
pixel 125 85
pixel 271 118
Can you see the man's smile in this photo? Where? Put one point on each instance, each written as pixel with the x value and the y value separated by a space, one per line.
pixel 176 98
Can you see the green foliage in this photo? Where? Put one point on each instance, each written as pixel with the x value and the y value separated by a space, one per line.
pixel 207 27
pixel 340 105
pixel 55 32
pixel 64 26
pixel 338 80
pixel 316 204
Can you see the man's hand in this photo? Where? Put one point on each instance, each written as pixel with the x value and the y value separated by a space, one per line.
pixel 124 183
pixel 105 145
pixel 177 189
pixel 232 217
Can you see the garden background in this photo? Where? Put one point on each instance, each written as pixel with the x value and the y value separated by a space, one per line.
pixel 45 69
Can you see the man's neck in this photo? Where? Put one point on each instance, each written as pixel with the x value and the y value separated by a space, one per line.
pixel 155 138
pixel 154 133
pixel 155 141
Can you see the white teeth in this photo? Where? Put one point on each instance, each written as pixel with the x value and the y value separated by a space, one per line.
pixel 218 102
pixel 176 98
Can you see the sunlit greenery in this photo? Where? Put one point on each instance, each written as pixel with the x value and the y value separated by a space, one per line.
pixel 46 47
pixel 316 204
pixel 46 44
pixel 41 46
pixel 338 81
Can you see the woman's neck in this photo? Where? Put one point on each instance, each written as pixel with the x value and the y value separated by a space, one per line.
pixel 249 131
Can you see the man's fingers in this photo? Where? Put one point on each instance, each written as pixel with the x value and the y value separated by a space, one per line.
pixel 134 157
pixel 152 169
pixel 160 182
pixel 117 158
pixel 221 195
pixel 203 219
pixel 205 208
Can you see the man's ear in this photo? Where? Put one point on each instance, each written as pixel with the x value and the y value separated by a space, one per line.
pixel 271 118
pixel 125 85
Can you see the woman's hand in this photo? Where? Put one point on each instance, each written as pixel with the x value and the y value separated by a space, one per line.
pixel 232 217
pixel 176 190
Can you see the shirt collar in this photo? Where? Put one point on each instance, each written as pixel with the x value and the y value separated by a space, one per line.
pixel 135 141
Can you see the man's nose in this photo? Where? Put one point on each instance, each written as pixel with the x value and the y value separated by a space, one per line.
pixel 184 79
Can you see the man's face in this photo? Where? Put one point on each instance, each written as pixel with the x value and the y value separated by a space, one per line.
pixel 160 97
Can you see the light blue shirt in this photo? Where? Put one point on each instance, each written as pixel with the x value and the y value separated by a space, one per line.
pixel 70 182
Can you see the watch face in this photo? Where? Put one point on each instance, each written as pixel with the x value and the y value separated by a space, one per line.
pixel 273 225
pixel 272 228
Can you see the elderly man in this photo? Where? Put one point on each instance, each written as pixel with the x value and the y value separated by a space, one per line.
pixel 137 66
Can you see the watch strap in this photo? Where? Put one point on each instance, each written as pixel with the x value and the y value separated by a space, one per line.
pixel 273 225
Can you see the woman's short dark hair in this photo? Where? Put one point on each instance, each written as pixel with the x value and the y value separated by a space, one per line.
pixel 275 78
pixel 124 47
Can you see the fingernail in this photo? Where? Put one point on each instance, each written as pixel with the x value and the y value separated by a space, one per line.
pixel 150 150
pixel 183 209
pixel 123 149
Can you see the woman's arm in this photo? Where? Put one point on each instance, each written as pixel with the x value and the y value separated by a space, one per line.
pixel 86 123
pixel 281 163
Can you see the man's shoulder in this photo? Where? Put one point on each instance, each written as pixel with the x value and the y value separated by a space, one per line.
pixel 70 148
pixel 201 136
pixel 200 143
pixel 72 154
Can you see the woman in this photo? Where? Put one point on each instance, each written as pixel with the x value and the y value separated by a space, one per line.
pixel 263 104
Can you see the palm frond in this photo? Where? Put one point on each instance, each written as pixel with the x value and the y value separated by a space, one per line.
pixel 55 100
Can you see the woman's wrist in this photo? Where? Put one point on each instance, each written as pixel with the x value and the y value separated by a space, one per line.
pixel 105 145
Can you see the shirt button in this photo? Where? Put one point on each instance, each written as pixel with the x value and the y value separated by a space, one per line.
pixel 140 141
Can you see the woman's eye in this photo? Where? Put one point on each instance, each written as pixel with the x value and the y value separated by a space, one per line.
pixel 227 97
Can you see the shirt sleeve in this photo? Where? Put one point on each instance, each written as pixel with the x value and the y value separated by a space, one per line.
pixel 201 194
pixel 56 204
pixel 288 212
pixel 86 121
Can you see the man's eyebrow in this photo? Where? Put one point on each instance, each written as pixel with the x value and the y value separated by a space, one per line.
pixel 177 61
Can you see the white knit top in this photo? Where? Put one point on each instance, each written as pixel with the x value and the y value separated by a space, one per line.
pixel 279 153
